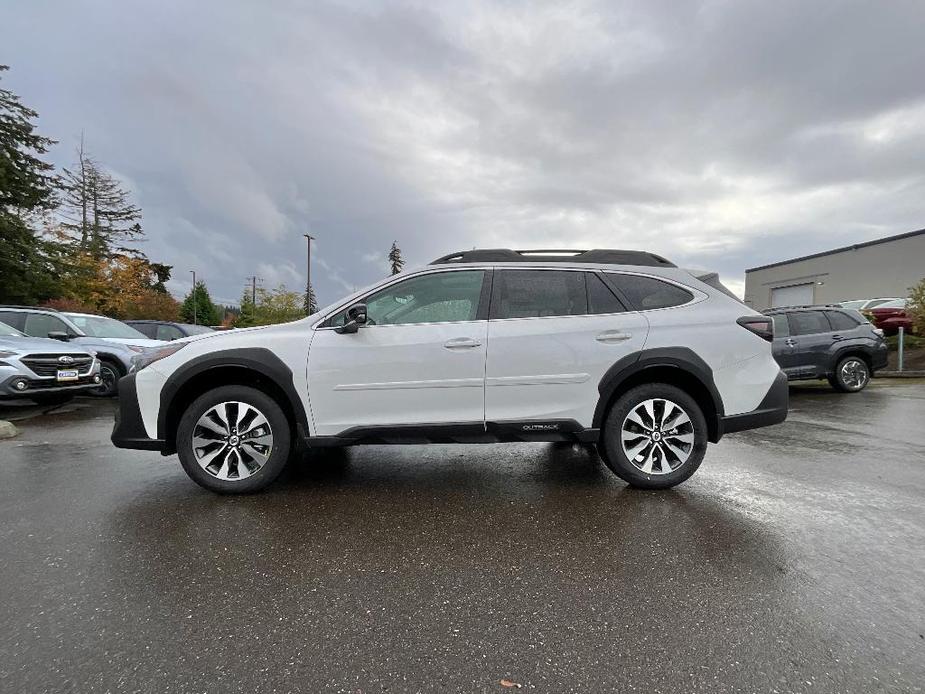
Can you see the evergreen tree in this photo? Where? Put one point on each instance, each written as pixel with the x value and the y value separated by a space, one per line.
pixel 97 211
pixel 395 259
pixel 28 262
pixel 202 310
pixel 310 303
pixel 246 316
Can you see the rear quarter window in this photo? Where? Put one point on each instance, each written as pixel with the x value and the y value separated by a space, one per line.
pixel 647 293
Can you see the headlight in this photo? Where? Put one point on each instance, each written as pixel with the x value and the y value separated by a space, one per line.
pixel 149 356
pixel 6 353
pixel 136 348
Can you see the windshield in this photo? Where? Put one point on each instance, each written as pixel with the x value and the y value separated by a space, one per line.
pixel 196 329
pixel 857 303
pixel 7 331
pixel 100 326
pixel 896 303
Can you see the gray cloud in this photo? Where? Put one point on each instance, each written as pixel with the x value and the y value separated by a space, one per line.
pixel 720 134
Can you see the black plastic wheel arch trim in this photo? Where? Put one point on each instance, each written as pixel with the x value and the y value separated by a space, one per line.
pixel 681 358
pixel 256 359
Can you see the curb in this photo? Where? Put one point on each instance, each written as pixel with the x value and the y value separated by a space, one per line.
pixel 901 374
pixel 7 430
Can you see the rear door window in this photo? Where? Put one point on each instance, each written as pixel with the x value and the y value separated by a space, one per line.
pixel 808 323
pixel 601 298
pixel 538 294
pixel 647 293
pixel 841 321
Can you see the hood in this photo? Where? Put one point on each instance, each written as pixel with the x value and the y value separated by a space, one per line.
pixel 39 344
pixel 137 342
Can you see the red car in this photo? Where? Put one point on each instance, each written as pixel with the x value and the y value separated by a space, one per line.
pixel 892 316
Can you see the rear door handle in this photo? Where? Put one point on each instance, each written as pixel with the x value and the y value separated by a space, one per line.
pixel 612 336
pixel 462 343
pixel 836 338
pixel 791 343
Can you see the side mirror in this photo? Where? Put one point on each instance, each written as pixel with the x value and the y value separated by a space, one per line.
pixel 59 335
pixel 356 316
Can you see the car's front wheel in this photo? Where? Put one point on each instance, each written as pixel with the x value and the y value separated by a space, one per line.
pixel 851 375
pixel 109 379
pixel 654 436
pixel 233 440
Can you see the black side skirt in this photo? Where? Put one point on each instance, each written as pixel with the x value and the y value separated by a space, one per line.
pixel 461 432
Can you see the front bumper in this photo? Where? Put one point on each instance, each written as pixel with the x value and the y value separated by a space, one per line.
pixel 772 409
pixel 129 430
pixel 42 386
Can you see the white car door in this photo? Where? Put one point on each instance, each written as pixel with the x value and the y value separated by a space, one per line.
pixel 552 335
pixel 419 360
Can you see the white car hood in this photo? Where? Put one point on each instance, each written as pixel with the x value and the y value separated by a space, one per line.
pixel 137 342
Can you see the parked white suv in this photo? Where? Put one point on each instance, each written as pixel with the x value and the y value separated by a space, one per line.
pixel 616 348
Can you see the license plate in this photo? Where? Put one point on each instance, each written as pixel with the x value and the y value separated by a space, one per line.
pixel 67 375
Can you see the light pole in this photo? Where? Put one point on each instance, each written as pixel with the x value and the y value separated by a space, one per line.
pixel 308 272
pixel 194 296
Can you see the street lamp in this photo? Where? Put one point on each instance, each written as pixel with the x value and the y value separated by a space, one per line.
pixel 194 296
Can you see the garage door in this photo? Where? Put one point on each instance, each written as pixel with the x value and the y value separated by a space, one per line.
pixel 796 295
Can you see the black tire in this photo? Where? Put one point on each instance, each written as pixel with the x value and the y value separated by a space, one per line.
pixel 110 373
pixel 257 476
pixel 611 442
pixel 852 374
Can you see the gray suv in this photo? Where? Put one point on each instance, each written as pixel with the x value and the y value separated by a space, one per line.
pixel 43 370
pixel 114 353
pixel 838 344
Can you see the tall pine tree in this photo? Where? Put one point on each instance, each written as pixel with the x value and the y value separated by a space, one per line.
pixel 27 259
pixel 97 211
pixel 395 259
pixel 310 303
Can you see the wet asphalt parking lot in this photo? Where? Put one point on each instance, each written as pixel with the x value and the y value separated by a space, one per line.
pixel 793 561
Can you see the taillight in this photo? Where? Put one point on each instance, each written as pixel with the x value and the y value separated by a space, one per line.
pixel 762 326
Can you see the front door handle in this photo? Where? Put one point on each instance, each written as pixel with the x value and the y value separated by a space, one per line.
pixel 612 336
pixel 462 343
pixel 791 343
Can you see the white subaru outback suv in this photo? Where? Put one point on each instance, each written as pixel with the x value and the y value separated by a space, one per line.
pixel 621 349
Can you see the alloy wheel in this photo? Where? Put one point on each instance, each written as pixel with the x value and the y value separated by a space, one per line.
pixel 657 436
pixel 232 440
pixel 854 374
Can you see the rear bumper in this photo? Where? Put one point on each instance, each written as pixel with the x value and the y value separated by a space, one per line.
pixel 771 410
pixel 129 430
pixel 879 357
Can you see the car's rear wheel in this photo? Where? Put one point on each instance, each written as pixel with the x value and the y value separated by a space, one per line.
pixel 654 436
pixel 851 375
pixel 233 440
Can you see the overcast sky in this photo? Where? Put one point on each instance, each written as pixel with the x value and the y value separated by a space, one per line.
pixel 722 135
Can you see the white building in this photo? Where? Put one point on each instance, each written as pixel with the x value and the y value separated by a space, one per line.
pixel 886 267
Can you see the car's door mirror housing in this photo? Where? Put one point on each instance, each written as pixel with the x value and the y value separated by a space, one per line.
pixel 355 317
pixel 59 335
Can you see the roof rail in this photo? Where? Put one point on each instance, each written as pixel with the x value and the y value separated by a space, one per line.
pixel 603 256
pixel 790 308
pixel 31 308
